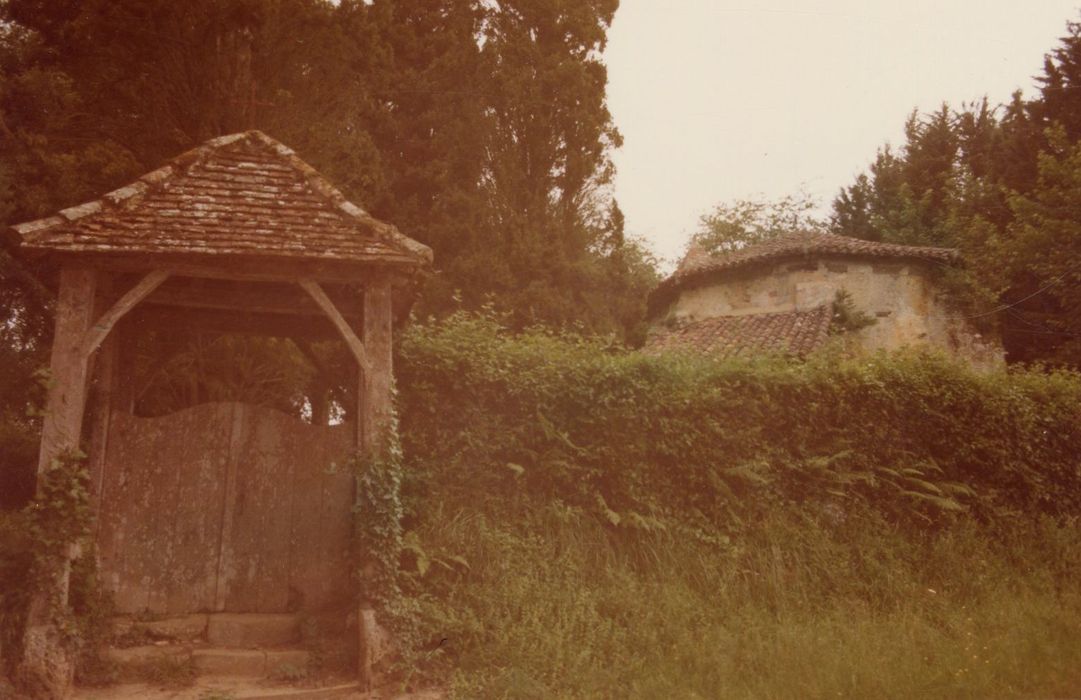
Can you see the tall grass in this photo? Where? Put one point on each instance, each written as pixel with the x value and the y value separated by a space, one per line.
pixel 588 523
pixel 558 604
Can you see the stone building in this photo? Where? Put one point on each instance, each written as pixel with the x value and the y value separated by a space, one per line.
pixel 781 296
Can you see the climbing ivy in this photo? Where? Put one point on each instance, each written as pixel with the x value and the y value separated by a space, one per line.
pixel 60 514
pixel 378 518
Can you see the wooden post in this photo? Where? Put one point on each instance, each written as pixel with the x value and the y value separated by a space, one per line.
pixel 377 381
pixel 47 662
pixel 66 401
pixel 374 406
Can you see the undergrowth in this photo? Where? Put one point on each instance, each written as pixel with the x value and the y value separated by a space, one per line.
pixel 585 523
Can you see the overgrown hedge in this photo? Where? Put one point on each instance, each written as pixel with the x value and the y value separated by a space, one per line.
pixel 647 442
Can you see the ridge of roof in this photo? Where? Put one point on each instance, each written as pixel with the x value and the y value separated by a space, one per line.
pixel 698 264
pixel 35 235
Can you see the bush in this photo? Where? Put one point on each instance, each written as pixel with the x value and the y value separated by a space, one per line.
pixel 641 439
pixel 580 519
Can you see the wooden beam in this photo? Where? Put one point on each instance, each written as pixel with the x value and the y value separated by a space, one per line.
pixel 96 333
pixel 355 345
pixel 263 269
pixel 257 297
pixel 151 317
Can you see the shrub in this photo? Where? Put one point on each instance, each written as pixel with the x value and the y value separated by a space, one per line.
pixel 579 519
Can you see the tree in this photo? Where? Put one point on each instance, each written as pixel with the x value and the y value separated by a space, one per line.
pixel 744 222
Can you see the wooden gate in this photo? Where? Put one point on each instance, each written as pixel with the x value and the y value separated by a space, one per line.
pixel 225 507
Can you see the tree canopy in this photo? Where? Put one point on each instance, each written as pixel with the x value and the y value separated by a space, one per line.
pixel 478 128
pixel 1002 184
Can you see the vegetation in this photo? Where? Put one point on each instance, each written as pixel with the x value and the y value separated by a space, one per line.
pixel 579 519
pixel 1001 183
pixel 478 128
pixel 565 519
pixel 732 225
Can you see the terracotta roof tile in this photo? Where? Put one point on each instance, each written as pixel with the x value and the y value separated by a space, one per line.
pixel 789 332
pixel 242 194
pixel 699 265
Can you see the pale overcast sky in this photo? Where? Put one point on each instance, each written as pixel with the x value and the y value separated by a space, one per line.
pixel 722 99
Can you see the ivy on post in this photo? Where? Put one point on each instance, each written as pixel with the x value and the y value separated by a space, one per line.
pixel 377 480
pixel 48 662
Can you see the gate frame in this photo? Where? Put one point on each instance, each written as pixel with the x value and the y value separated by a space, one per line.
pixel 208 290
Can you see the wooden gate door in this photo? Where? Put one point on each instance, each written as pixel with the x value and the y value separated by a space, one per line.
pixel 225 507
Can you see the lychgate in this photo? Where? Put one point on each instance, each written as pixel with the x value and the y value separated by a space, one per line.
pixel 226 507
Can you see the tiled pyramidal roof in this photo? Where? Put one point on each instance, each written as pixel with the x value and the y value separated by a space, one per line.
pixel 791 332
pixel 244 194
pixel 699 265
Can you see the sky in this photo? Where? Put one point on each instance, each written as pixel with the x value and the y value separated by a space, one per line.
pixel 725 99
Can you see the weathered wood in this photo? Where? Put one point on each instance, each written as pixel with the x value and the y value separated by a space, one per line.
pixel 379 376
pixel 162 318
pixel 66 402
pixel 124 380
pixel 106 369
pixel 46 659
pixel 374 409
pixel 348 334
pixel 248 517
pixel 254 269
pixel 97 333
pixel 250 297
pixel 227 560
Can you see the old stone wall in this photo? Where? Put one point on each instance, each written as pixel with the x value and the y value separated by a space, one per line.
pixel 909 307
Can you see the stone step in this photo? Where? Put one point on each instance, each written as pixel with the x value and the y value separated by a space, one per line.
pixel 151 662
pixel 235 689
pixel 252 630
pixel 185 628
pixel 250 663
pixel 173 661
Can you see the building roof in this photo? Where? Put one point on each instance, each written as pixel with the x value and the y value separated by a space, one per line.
pixel 789 332
pixel 699 266
pixel 239 195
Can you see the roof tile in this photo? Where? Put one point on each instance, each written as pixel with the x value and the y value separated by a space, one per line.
pixel 790 332
pixel 699 265
pixel 242 194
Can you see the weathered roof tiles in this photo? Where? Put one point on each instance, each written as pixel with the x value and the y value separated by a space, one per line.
pixel 791 332
pixel 243 194
pixel 699 266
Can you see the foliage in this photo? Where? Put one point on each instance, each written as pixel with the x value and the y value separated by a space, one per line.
pixel 846 317
pixel 16 560
pixel 558 605
pixel 36 544
pixel 567 418
pixel 479 128
pixel 997 183
pixel 378 512
pixel 578 518
pixel 743 222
